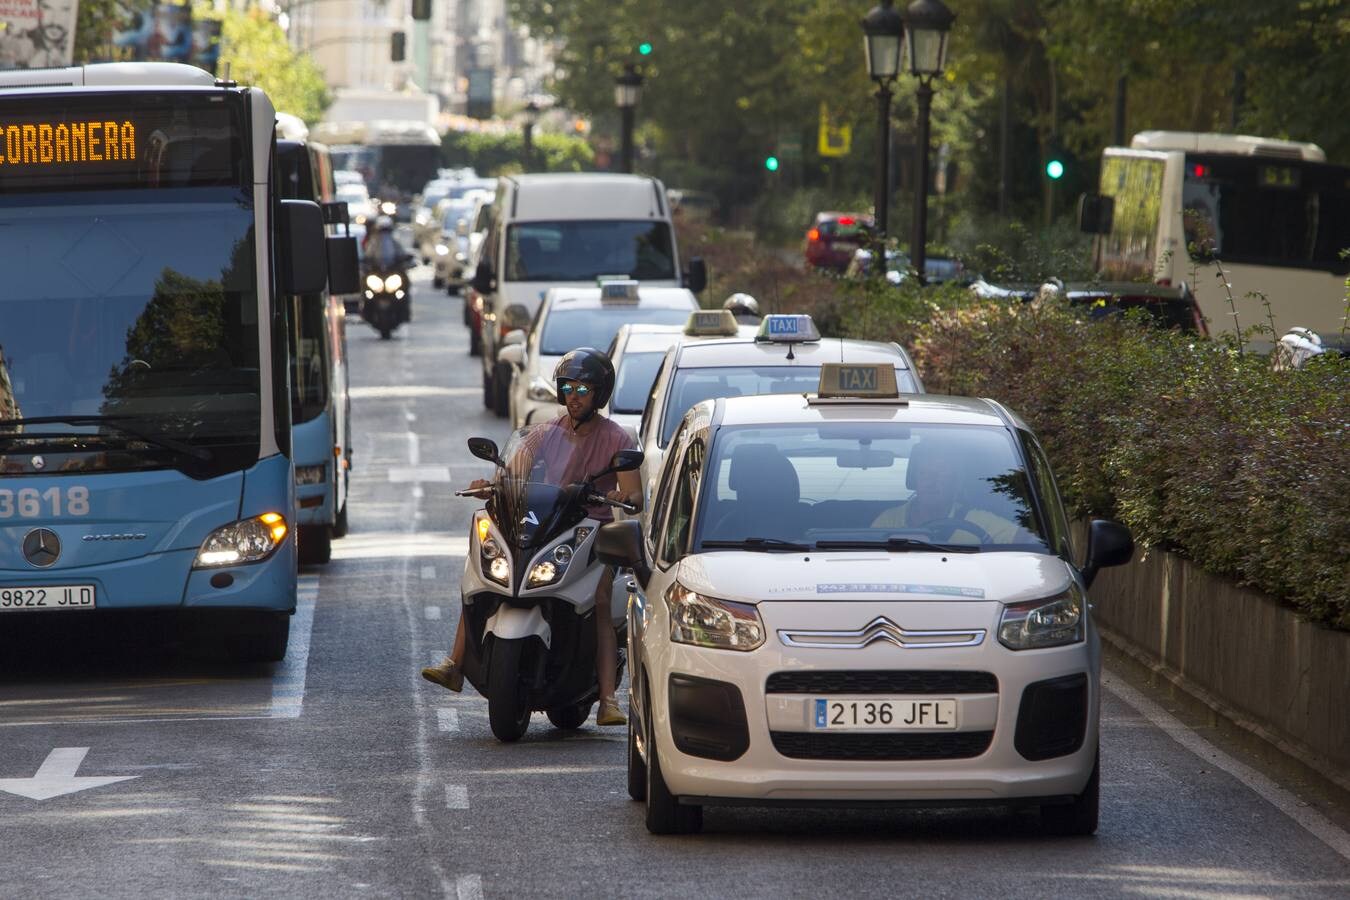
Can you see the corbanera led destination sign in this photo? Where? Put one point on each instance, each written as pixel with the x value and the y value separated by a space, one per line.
pixel 61 143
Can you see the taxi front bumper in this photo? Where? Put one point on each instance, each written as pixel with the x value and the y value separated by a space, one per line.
pixel 1032 737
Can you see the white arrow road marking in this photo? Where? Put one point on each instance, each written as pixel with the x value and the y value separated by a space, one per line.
pixel 56 776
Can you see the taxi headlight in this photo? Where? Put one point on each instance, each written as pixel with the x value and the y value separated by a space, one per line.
pixel 543 390
pixel 441 249
pixel 374 282
pixel 245 541
pixel 708 622
pixel 393 282
pixel 1050 622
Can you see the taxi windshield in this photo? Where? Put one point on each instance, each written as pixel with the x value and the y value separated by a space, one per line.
pixel 854 485
pixel 567 329
pixel 634 381
pixel 690 387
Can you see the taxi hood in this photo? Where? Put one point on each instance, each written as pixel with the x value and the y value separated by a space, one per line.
pixel 751 577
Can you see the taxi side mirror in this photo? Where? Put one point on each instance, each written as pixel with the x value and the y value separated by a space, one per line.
pixel 513 354
pixel 1109 544
pixel 620 544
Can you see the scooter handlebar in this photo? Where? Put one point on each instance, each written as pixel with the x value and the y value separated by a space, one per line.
pixel 477 493
pixel 602 500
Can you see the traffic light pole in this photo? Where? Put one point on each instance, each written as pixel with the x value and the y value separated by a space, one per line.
pixel 626 147
pixel 881 202
pixel 918 250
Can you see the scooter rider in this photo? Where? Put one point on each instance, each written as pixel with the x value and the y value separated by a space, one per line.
pixel 744 307
pixel 584 379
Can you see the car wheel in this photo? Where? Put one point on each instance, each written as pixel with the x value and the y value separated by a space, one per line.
pixel 508 708
pixel 637 769
pixel 340 525
pixel 665 814
pixel 501 390
pixel 570 717
pixel 1078 818
pixel 475 344
pixel 386 333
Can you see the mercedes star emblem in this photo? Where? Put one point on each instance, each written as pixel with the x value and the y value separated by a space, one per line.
pixel 39 463
pixel 42 547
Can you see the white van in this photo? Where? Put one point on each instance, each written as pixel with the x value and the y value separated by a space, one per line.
pixel 569 230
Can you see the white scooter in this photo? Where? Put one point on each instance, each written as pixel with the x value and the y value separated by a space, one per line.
pixel 529 585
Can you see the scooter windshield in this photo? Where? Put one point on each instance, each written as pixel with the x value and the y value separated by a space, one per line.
pixel 541 489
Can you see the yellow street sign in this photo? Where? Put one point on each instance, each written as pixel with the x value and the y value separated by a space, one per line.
pixel 835 140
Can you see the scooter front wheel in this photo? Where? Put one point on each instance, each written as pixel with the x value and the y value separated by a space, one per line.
pixel 508 708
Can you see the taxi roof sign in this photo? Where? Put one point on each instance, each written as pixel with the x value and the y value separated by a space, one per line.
pixel 711 323
pixel 779 328
pixel 617 291
pixel 857 380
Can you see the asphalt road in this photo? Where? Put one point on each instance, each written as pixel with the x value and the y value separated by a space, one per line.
pixel 340 772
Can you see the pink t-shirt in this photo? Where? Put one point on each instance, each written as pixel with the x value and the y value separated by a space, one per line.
pixel 569 458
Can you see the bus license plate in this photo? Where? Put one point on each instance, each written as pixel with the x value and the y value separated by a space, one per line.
pixel 45 597
pixel 882 714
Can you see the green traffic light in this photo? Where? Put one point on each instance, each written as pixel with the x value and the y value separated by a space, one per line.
pixel 771 163
pixel 1055 169
pixel 645 48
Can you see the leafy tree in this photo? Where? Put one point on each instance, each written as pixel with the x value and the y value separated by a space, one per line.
pixel 255 47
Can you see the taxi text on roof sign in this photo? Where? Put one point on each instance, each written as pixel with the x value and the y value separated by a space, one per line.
pixel 788 329
pixel 711 323
pixel 857 380
pixel 619 292
pixel 47 143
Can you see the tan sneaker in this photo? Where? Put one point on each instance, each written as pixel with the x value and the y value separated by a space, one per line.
pixel 610 714
pixel 447 675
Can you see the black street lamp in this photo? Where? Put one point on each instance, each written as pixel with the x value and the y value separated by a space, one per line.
pixel 528 118
pixel 627 93
pixel 882 30
pixel 927 23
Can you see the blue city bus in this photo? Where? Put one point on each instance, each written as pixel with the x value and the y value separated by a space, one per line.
pixel 145 422
pixel 317 332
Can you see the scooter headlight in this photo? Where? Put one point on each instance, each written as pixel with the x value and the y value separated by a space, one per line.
pixel 393 282
pixel 1050 622
pixel 542 573
pixel 496 567
pixel 375 282
pixel 709 622
pixel 499 570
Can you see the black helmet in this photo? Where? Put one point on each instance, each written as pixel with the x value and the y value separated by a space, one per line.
pixel 589 366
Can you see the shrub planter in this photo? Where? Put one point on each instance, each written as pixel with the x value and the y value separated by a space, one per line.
pixel 1238 651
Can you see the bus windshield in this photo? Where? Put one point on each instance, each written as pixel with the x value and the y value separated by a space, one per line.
pixel 130 304
pixel 1267 212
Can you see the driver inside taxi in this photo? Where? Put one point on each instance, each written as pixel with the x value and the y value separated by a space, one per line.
pixel 935 475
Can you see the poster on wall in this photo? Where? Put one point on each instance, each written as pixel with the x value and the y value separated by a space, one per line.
pixel 36 33
pixel 206 44
pixel 162 32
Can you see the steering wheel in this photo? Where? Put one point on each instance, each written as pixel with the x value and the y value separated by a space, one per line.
pixel 949 526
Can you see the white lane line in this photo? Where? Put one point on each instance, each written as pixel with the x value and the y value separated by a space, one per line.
pixel 409 392
pixel 456 796
pixel 469 887
pixel 404 474
pixel 1310 819
pixel 410 416
pixel 428 573
pixel 417 492
pixel 433 613
pixel 447 719
pixel 288 687
pixel 414 449
pixel 400 544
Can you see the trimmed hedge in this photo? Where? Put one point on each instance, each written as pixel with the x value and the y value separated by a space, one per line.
pixel 1198 449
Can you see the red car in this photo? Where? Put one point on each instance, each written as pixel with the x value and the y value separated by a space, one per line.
pixel 833 237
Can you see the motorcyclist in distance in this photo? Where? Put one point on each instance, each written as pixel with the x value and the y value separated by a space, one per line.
pixel 744 307
pixel 584 379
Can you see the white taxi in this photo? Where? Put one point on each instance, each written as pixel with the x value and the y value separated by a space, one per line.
pixel 860 597
pixel 637 351
pixel 784 357
pixel 574 317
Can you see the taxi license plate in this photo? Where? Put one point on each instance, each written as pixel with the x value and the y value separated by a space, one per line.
pixel 47 597
pixel 882 714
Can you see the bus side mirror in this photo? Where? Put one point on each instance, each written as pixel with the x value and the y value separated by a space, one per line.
pixel 1096 213
pixel 344 266
pixel 302 264
pixel 696 276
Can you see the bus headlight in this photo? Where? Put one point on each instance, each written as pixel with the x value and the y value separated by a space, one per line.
pixel 393 282
pixel 1050 622
pixel 708 622
pixel 374 282
pixel 245 541
pixel 309 474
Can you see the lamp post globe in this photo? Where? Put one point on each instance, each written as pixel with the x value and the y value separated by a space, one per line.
pixel 927 25
pixel 883 28
pixel 627 93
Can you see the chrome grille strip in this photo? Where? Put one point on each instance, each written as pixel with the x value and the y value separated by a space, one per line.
pixel 881 629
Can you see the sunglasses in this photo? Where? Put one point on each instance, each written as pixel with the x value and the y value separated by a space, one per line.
pixel 581 390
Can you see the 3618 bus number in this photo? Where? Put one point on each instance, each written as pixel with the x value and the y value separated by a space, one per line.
pixel 30 503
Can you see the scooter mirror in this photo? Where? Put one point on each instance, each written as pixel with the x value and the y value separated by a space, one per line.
pixel 626 461
pixel 485 448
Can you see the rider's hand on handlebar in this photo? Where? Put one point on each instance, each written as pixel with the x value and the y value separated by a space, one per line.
pixel 479 484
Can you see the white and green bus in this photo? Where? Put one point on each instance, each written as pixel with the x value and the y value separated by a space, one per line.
pixel 1274 215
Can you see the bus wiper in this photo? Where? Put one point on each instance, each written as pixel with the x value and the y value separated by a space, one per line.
pixel 200 453
pixel 899 544
pixel 767 545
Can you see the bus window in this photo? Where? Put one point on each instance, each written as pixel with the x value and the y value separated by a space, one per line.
pixel 309 387
pixel 1136 184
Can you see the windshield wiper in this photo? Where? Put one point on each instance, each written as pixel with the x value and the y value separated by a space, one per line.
pixel 200 453
pixel 766 545
pixel 899 544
